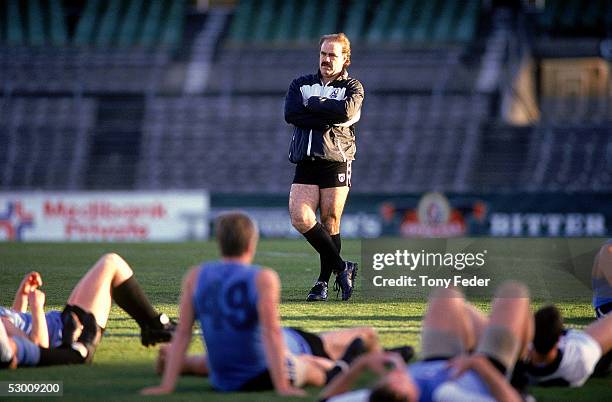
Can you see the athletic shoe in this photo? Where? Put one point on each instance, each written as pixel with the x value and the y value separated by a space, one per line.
pixel 318 292
pixel 159 332
pixel 345 280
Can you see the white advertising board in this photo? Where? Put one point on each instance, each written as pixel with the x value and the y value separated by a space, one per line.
pixel 104 216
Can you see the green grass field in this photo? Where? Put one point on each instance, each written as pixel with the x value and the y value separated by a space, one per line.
pixel 122 366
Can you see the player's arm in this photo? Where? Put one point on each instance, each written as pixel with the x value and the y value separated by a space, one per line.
pixel 339 111
pixel 180 339
pixel 32 280
pixel 39 334
pixel 500 388
pixel 268 289
pixel 297 114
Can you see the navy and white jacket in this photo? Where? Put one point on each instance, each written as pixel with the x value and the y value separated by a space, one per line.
pixel 323 117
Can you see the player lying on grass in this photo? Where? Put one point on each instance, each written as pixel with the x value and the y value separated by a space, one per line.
pixel 236 304
pixel 332 345
pixel 602 280
pixel 72 335
pixel 466 356
pixel 563 357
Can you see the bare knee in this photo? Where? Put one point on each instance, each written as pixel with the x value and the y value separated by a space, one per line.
pixel 302 222
pixel 331 223
pixel 113 262
pixel 370 337
pixel 512 289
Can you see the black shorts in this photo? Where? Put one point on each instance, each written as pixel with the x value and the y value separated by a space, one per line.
pixel 323 173
pixel 91 332
pixel 263 381
pixel 603 310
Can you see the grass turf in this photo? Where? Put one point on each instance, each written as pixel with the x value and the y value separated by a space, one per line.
pixel 122 366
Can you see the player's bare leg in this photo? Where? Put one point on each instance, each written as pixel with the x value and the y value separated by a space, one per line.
pixel 303 204
pixel 510 328
pixel 93 292
pixel 111 278
pixel 332 205
pixel 447 324
pixel 192 364
pixel 336 342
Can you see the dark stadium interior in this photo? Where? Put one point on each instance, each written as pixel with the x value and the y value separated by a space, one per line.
pixel 474 96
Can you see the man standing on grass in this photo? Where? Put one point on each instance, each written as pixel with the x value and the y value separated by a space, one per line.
pixel 324 108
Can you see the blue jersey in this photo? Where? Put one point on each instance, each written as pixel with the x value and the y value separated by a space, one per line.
pixel 602 290
pixel 23 321
pixel 225 303
pixel 296 344
pixel 430 375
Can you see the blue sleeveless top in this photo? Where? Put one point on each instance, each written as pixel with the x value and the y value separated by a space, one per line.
pixel 23 321
pixel 225 303
pixel 602 290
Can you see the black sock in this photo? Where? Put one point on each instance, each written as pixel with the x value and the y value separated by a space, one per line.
pixel 354 350
pixel 60 355
pixel 326 270
pixel 337 241
pixel 321 241
pixel 130 297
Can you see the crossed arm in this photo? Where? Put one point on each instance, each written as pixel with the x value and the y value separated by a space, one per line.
pixel 319 112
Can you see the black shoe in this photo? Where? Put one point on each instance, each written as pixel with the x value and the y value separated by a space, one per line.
pixel 159 332
pixel 345 280
pixel 407 352
pixel 318 292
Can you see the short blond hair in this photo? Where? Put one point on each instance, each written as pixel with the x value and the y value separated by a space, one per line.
pixel 343 40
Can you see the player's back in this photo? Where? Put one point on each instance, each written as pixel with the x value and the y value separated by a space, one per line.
pixel 225 302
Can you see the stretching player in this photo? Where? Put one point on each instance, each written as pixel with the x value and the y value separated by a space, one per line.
pixel 602 280
pixel 451 328
pixel 563 357
pixel 72 335
pixel 237 306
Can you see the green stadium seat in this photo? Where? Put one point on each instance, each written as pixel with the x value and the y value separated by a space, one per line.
pixel 14 34
pixel 131 23
pixel 57 28
pixel 443 29
pixel 243 20
pixel 174 26
pixel 151 29
pixel 402 24
pixel 355 22
pixel 307 12
pixel 286 25
pixel 87 22
pixel 36 31
pixel 329 21
pixel 109 23
pixel 380 24
pixel 266 22
pixel 466 29
pixel 425 22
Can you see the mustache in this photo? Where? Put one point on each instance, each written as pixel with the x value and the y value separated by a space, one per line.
pixel 324 64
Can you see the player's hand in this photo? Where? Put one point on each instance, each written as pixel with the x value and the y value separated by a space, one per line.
pixel 291 391
pixel 460 364
pixel 157 390
pixel 36 298
pixel 30 282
